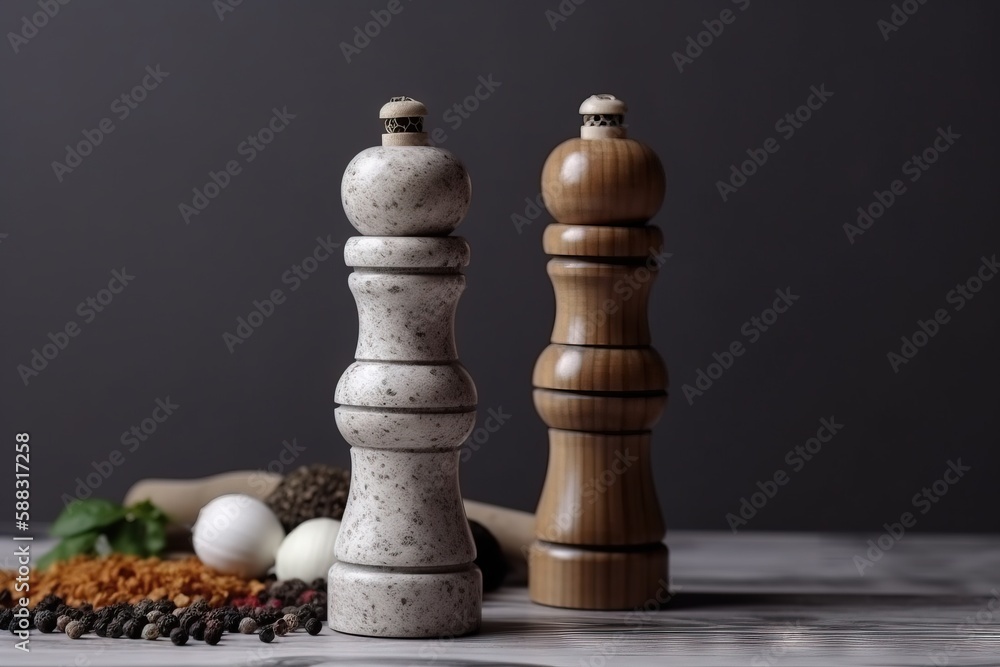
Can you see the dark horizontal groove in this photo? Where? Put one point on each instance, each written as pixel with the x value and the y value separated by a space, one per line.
pixel 396 569
pixel 407 362
pixel 608 394
pixel 623 260
pixel 413 450
pixel 606 347
pixel 609 548
pixel 409 271
pixel 423 411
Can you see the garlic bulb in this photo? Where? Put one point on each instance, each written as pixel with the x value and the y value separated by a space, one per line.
pixel 307 552
pixel 237 534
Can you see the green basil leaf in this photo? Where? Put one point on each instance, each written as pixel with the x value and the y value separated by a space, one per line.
pixel 146 511
pixel 154 526
pixel 128 537
pixel 69 547
pixel 82 516
pixel 156 537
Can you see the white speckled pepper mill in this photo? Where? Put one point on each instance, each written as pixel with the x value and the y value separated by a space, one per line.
pixel 405 551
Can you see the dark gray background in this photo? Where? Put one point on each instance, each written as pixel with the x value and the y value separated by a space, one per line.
pixel 826 357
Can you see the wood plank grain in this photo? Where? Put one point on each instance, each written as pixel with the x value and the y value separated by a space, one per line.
pixel 777 599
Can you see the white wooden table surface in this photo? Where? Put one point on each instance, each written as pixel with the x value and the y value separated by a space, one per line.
pixel 753 599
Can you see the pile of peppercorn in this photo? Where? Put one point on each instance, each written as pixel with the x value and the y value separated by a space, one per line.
pixel 283 608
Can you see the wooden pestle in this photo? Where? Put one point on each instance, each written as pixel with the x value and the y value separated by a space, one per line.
pixel 182 499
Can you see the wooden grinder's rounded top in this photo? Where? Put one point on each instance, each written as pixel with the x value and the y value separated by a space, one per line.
pixel 602 177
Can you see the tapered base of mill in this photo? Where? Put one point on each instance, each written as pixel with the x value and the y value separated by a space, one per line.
pixel 390 602
pixel 600 578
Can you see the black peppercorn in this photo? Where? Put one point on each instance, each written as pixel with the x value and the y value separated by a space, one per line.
pixel 133 627
pixel 267 635
pixel 45 621
pixel 89 620
pixel 265 616
pixel 188 620
pixel 101 628
pixel 313 626
pixel 115 629
pixel 309 492
pixel 5 618
pixel 213 635
pixel 197 630
pixel 50 602
pixel 280 627
pixel 178 637
pixel 166 624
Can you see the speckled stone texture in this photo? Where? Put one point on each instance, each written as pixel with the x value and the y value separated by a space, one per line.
pixel 383 298
pixel 402 386
pixel 406 405
pixel 365 427
pixel 405 191
pixel 425 304
pixel 407 252
pixel 387 603
pixel 413 501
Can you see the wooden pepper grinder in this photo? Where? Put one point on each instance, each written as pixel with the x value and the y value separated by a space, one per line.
pixel 406 405
pixel 599 386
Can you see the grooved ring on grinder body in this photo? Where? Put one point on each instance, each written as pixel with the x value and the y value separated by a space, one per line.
pixel 599 241
pixel 407 252
pixel 407 387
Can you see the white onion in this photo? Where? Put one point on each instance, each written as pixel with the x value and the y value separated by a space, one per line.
pixel 237 534
pixel 307 552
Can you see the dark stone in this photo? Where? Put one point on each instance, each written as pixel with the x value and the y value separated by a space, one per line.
pixel 489 557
